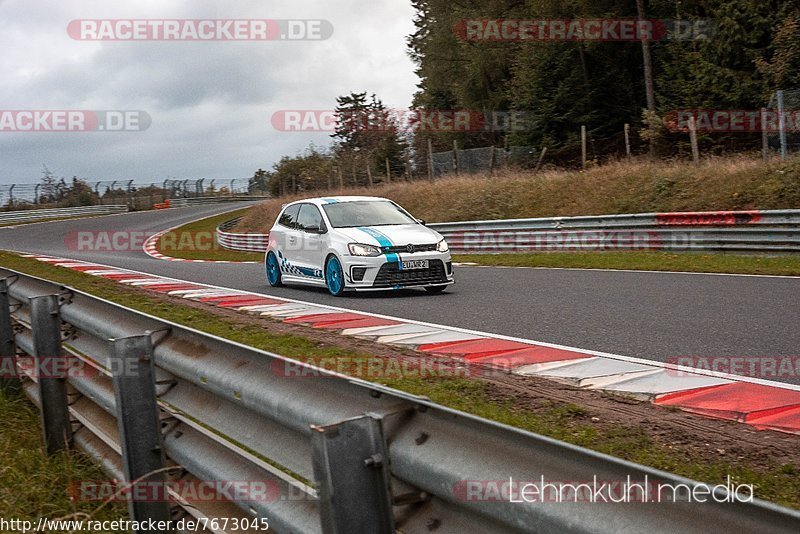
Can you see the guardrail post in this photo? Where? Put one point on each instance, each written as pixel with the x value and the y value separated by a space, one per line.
pixel 49 358
pixel 9 379
pixel 139 427
pixel 351 467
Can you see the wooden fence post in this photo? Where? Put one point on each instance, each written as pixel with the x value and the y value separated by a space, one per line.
pixel 764 135
pixel 541 158
pixel 455 157
pixel 693 139
pixel 430 159
pixel 583 147
pixel 628 139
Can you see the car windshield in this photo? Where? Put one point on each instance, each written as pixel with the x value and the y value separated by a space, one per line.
pixel 366 213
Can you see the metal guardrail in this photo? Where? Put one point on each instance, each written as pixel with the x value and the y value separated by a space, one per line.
pixel 744 231
pixel 200 201
pixel 12 217
pixel 342 455
pixel 242 242
pixel 137 195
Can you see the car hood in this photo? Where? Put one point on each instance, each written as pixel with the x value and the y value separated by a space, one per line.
pixel 401 234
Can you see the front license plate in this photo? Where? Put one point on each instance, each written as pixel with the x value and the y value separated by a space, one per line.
pixel 414 264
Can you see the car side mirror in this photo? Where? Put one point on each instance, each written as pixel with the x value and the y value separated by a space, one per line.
pixel 315 230
pixel 421 221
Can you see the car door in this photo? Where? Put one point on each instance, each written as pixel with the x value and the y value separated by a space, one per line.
pixel 288 238
pixel 311 229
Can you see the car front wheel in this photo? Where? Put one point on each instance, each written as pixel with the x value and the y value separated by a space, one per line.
pixel 334 276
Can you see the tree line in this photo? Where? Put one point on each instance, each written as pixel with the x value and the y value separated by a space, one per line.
pixel 744 51
pixel 729 55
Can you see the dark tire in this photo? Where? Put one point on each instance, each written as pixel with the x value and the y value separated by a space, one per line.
pixel 435 289
pixel 273 269
pixel 334 276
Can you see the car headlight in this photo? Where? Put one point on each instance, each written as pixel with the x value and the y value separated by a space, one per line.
pixel 441 246
pixel 359 249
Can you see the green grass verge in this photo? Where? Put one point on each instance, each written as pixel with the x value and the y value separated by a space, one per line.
pixel 638 185
pixel 198 241
pixel 644 261
pixel 776 482
pixel 33 484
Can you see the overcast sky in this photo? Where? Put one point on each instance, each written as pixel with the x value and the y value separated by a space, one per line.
pixel 210 102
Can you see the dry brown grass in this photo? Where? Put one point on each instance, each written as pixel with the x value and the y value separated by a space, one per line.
pixel 638 186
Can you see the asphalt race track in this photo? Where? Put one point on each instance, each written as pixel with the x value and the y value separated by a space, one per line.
pixel 648 315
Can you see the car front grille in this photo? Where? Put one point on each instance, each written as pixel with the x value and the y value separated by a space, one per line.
pixel 403 249
pixel 391 275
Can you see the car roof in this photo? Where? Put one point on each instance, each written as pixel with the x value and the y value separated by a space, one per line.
pixel 320 201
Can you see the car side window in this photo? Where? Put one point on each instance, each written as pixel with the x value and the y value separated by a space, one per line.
pixel 289 216
pixel 309 217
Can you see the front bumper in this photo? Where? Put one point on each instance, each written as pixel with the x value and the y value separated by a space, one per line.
pixel 380 274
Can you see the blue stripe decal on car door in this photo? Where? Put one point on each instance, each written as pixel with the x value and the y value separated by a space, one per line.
pixel 383 241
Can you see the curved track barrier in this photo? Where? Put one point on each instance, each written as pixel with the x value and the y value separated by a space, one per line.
pixel 748 231
pixel 242 242
pixel 202 201
pixel 15 217
pixel 336 454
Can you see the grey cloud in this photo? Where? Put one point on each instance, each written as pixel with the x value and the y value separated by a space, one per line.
pixel 210 102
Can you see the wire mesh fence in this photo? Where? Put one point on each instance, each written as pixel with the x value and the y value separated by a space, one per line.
pixel 483 159
pixel 52 193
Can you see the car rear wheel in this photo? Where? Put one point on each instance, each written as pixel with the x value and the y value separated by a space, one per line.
pixel 273 271
pixel 435 289
pixel 334 276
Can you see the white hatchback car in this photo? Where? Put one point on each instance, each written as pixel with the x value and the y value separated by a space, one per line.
pixel 359 243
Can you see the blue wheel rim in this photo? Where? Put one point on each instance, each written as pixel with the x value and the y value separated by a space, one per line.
pixel 273 271
pixel 333 275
